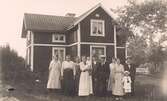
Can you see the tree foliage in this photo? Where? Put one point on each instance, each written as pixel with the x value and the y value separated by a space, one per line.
pixel 148 22
pixel 12 65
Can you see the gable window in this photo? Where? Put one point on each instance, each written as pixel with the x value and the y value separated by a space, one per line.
pixel 97 28
pixel 58 38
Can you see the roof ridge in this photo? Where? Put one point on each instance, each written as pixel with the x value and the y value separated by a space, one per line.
pixel 48 15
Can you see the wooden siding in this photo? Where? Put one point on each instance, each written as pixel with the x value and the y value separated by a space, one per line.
pixel 72 51
pixel 85 50
pixel 42 58
pixel 121 40
pixel 44 38
pixel 121 54
pixel 71 36
pixel 109 53
pixel 85 28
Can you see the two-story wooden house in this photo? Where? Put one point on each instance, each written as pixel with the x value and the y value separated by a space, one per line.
pixel 92 33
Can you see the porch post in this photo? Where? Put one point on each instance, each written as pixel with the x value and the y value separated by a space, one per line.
pixel 79 41
pixel 32 51
pixel 115 42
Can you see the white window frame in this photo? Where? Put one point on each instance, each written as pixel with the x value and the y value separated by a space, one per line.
pixel 96 46
pixel 58 48
pixel 103 27
pixel 59 35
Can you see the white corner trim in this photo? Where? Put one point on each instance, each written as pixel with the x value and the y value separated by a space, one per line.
pixel 79 40
pixel 91 27
pixel 120 47
pixel 51 45
pixel 73 44
pixel 94 43
pixel 32 52
pixel 115 42
pixel 126 51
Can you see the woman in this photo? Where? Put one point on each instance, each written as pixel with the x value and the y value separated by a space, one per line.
pixel 78 71
pixel 54 74
pixel 111 76
pixel 118 86
pixel 85 82
pixel 68 74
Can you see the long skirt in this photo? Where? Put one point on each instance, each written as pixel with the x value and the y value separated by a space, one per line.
pixel 68 82
pixel 85 84
pixel 54 79
pixel 118 86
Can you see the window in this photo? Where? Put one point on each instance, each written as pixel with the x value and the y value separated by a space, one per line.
pixel 60 52
pixel 58 38
pixel 97 28
pixel 98 50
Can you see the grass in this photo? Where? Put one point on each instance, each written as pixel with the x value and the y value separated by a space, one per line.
pixel 147 89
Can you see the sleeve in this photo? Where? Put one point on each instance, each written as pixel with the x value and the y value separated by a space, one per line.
pixel 50 66
pixel 62 68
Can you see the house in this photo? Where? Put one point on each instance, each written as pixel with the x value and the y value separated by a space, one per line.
pixel 93 33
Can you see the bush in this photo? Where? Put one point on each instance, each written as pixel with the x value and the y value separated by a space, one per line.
pixel 12 66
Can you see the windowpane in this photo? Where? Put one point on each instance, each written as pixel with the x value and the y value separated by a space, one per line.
pixel 97 27
pixel 61 38
pixel 58 38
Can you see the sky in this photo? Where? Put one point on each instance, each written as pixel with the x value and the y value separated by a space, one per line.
pixel 12 12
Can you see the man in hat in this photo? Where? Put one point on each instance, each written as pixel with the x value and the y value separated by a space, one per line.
pixel 131 68
pixel 102 76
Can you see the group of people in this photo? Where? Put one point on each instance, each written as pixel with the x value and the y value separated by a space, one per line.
pixel 95 76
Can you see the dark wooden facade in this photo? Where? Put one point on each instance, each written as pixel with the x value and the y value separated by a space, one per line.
pixel 79 35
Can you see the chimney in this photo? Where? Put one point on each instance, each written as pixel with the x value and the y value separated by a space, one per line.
pixel 70 15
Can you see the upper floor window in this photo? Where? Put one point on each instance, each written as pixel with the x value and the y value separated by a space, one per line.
pixel 97 28
pixel 58 38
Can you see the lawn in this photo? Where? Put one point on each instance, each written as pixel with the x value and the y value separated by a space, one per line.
pixel 147 89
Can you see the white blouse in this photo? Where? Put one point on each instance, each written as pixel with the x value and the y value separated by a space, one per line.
pixel 68 65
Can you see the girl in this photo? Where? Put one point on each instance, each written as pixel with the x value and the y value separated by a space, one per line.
pixel 127 83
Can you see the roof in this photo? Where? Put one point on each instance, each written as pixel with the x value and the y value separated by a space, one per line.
pixel 38 22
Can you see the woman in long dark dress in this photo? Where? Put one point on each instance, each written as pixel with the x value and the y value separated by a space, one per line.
pixel 68 73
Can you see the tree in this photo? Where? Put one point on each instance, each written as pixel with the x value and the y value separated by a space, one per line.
pixel 148 22
pixel 12 65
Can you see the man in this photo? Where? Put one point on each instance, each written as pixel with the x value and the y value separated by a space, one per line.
pixel 95 64
pixel 129 66
pixel 102 76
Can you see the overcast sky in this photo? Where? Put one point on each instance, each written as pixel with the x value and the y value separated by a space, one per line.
pixel 12 11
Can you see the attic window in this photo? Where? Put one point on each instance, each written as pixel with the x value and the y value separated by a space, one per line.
pixel 58 37
pixel 97 28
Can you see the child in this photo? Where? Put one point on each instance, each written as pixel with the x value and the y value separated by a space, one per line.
pixel 127 83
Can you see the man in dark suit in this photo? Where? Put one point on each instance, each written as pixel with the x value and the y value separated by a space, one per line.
pixel 102 74
pixel 129 66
